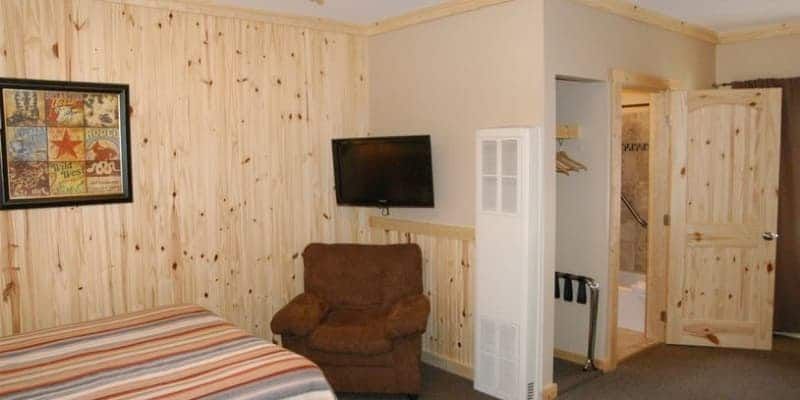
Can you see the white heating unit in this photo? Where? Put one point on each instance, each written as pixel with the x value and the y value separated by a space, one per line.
pixel 508 263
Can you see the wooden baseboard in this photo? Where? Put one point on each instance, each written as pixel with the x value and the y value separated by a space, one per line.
pixel 578 359
pixel 550 391
pixel 451 366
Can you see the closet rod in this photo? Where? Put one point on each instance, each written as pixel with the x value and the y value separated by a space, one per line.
pixel 636 105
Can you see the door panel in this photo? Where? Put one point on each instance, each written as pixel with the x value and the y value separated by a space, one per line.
pixel 724 197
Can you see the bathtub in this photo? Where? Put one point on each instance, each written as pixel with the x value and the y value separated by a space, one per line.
pixel 631 300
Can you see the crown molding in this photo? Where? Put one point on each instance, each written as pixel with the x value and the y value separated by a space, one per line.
pixel 209 7
pixel 428 14
pixel 760 32
pixel 636 13
pixel 454 7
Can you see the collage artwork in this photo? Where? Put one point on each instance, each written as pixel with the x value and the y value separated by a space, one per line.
pixel 61 144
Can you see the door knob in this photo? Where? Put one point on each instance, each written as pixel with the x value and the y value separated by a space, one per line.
pixel 769 236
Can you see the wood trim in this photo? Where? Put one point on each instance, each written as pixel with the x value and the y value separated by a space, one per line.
pixel 422 228
pixel 452 366
pixel 614 223
pixel 637 81
pixel 760 32
pixel 658 231
pixel 550 391
pixel 639 14
pixel 206 7
pixel 578 358
pixel 574 358
pixel 621 80
pixel 446 9
pixel 568 131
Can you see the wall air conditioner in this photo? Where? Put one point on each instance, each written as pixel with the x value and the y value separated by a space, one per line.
pixel 508 263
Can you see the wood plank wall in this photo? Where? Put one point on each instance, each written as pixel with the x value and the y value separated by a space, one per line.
pixel 231 129
pixel 448 255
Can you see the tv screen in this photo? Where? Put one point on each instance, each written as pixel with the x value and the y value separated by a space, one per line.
pixel 384 171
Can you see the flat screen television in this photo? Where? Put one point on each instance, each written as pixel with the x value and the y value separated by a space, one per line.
pixel 384 171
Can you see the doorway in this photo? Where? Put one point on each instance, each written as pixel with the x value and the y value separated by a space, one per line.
pixel 637 233
pixel 635 192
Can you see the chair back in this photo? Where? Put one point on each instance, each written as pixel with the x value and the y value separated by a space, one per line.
pixel 359 276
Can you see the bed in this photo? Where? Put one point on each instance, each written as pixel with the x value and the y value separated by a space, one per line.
pixel 178 352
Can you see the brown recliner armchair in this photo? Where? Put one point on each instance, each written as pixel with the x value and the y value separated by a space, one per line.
pixel 361 317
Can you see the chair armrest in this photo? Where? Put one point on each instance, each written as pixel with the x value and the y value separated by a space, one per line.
pixel 301 316
pixel 408 316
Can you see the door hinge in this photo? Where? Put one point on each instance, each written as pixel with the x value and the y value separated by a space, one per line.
pixel 663 316
pixel 666 220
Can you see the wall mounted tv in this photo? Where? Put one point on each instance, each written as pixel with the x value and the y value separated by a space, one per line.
pixel 384 171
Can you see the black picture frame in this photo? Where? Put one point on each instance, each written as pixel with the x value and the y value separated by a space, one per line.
pixel 7 202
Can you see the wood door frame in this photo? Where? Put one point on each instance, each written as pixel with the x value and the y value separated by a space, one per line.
pixel 619 81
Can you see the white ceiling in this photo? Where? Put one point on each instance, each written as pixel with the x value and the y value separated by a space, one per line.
pixel 354 11
pixel 720 15
pixel 725 15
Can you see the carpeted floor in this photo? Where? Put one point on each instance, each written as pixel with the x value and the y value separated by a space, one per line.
pixel 682 372
pixel 436 385
pixel 570 375
pixel 662 372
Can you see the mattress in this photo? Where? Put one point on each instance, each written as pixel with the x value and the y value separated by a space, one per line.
pixel 179 352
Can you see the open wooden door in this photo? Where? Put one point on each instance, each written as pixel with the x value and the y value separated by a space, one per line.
pixel 724 147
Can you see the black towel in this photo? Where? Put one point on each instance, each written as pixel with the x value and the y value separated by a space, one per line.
pixel 558 287
pixel 582 292
pixel 567 288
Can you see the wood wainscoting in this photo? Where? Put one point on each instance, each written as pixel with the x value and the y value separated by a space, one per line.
pixel 447 255
pixel 231 124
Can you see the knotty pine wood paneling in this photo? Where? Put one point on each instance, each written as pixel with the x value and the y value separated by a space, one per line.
pixel 447 258
pixel 231 126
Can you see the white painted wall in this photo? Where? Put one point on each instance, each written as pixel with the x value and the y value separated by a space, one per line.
pixel 582 210
pixel 767 58
pixel 449 78
pixel 585 42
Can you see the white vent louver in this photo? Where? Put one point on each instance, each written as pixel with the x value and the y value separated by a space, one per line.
pixel 498 368
pixel 486 369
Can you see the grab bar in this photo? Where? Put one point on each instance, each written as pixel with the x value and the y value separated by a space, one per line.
pixel 641 221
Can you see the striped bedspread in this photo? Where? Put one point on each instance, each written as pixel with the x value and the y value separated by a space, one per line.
pixel 181 352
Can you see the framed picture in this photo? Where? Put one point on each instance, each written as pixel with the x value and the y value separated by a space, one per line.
pixel 63 144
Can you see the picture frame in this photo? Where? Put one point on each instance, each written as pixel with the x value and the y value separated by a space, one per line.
pixel 64 144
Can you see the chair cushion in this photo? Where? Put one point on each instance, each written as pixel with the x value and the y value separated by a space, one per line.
pixel 352 331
